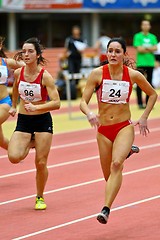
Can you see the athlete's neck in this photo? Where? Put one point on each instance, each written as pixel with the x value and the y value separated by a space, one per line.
pixel 32 68
pixel 116 72
pixel 115 69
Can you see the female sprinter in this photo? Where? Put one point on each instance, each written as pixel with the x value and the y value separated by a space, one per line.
pixel 113 83
pixel 6 64
pixel 33 84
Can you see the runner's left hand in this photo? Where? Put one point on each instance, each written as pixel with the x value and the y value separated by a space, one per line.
pixel 29 107
pixel 143 128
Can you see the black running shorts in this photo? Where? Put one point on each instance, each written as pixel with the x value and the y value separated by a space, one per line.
pixel 34 123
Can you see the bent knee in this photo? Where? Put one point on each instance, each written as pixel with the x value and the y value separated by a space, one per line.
pixel 40 165
pixel 16 155
pixel 116 166
pixel 14 159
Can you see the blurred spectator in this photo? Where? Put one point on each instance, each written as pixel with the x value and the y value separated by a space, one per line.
pixel 63 62
pixel 145 44
pixel 156 70
pixel 157 53
pixel 61 85
pixel 74 47
pixel 101 46
pixel 156 75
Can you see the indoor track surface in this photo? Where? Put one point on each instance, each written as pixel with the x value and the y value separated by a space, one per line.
pixel 75 192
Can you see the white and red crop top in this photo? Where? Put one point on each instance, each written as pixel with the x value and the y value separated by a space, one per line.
pixel 32 91
pixel 114 91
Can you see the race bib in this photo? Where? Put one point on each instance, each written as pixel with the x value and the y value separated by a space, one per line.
pixel 30 92
pixel 114 91
pixel 3 74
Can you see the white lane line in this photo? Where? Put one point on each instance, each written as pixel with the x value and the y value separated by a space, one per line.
pixel 85 218
pixel 51 166
pixel 77 143
pixel 71 162
pixel 61 146
pixel 78 185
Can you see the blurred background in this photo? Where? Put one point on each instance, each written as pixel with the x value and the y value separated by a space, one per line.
pixel 51 20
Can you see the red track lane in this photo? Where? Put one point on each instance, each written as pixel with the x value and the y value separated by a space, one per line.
pixel 78 201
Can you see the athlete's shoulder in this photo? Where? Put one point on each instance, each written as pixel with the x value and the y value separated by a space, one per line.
pixel 95 76
pixel 97 70
pixel 18 71
pixel 47 78
pixel 134 74
pixel 46 74
pixel 131 70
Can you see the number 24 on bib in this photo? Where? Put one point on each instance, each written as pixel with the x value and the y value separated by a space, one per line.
pixel 114 91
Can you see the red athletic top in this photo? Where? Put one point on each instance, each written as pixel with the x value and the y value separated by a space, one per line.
pixel 32 91
pixel 114 91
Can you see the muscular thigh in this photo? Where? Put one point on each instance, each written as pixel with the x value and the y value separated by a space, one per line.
pixel 122 144
pixel 105 152
pixel 19 142
pixel 43 142
pixel 4 109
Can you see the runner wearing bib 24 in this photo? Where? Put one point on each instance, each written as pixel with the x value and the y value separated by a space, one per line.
pixel 113 83
pixel 114 92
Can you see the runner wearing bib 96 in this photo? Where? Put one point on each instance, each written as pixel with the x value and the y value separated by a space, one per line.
pixel 6 64
pixel 33 84
pixel 115 135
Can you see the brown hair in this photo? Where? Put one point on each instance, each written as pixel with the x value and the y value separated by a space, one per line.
pixel 2 50
pixel 127 61
pixel 39 50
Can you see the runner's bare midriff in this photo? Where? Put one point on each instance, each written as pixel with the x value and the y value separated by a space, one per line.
pixel 3 91
pixel 113 113
pixel 23 111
